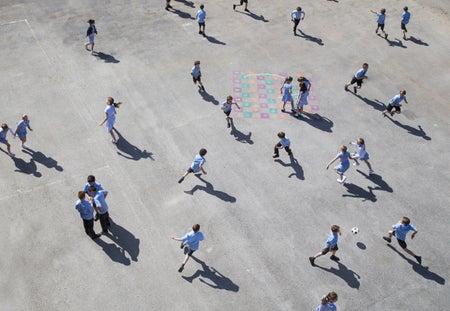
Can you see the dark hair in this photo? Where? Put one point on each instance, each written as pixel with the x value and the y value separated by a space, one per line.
pixel 303 87
pixel 93 188
pixel 405 8
pixel 335 228
pixel 281 135
pixel 405 220
pixel 331 296
pixel 81 195
pixel 91 21
pixel 91 178
pixel 201 6
pixel 196 227
pixel 111 101
pixel 202 152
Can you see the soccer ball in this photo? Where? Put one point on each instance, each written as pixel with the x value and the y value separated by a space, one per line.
pixel 355 230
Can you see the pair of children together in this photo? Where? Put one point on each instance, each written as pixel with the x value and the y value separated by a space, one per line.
pixel 21 132
pixel 302 98
pixel 381 17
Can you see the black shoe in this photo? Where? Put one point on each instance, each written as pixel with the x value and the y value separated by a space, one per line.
pixel 384 114
pixel 355 90
pixel 200 32
pixel 182 245
pixel 346 88
pixel 387 239
pixel 392 114
pixel 96 236
pixel 385 35
pixel 283 110
pixel 203 88
pixel 419 259
pixel 311 260
pixel 234 7
pixel 275 156
pixel 181 269
pixel 247 10
pixel 181 180
pixel 228 125
pixel 332 257
pixel 289 153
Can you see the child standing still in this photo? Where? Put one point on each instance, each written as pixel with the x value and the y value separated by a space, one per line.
pixel 110 117
pixel 197 75
pixel 380 21
pixel 286 91
pixel 327 303
pixel 226 107
pixel 361 154
pixel 90 33
pixel 395 102
pixel 3 140
pixel 340 169
pixel 283 143
pixel 21 129
pixel 302 99
pixel 201 15
pixel 330 245
pixel 197 164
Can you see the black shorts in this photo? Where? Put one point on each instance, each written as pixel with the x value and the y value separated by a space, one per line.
pixel 403 26
pixel 402 243
pixel 359 82
pixel 244 1
pixel 389 108
pixel 190 251
pixel 326 250
pixel 202 24
pixel 227 112
pixel 381 26
pixel 190 170
pixel 199 79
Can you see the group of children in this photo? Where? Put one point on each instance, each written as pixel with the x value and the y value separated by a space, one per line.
pixel 21 132
pixel 381 18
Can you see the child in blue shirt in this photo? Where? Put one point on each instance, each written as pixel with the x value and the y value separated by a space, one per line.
pixel 101 207
pixel 191 241
pixel 226 107
pixel 327 303
pixel 86 211
pixel 21 129
pixel 283 143
pixel 3 140
pixel 197 75
pixel 286 91
pixel 380 21
pixel 361 154
pixel 358 77
pixel 90 33
pixel 297 15
pixel 400 230
pixel 330 245
pixel 197 164
pixel 395 102
pixel 405 20
pixel 201 15
pixel 340 169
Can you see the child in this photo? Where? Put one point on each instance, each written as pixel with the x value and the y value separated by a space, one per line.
pixel 3 139
pixel 302 99
pixel 201 15
pixel 361 154
pixel 283 143
pixel 197 164
pixel 242 2
pixel 286 91
pixel 405 20
pixel 359 76
pixel 110 116
pixel 328 301
pixel 21 129
pixel 305 81
pixel 87 214
pixel 226 107
pixel 191 240
pixel 91 182
pixel 400 230
pixel 340 169
pixel 330 245
pixel 91 31
pixel 100 206
pixel 296 16
pixel 380 21
pixel 395 102
pixel 197 75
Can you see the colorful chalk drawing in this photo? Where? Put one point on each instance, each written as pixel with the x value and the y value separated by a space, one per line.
pixel 259 96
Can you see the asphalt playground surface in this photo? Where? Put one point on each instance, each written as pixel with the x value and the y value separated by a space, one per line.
pixel 262 218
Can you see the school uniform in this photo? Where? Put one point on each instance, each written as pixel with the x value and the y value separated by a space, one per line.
pixel 22 128
pixel 287 96
pixel 345 163
pixel 110 110
pixel 87 215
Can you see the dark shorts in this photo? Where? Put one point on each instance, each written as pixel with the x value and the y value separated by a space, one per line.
pixel 190 251
pixel 199 79
pixel 3 141
pixel 358 82
pixel 403 26
pixel 202 24
pixel 227 112
pixel 190 170
pixel 381 26
pixel 390 107
pixel 326 250
pixel 402 243
pixel 244 1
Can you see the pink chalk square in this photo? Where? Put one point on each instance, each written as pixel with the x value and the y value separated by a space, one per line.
pixel 253 100
pixel 238 99
pixel 263 105
pixel 236 72
pixel 282 116
pixel 314 107
pixel 262 95
pixel 261 86
pixel 237 81
pixel 260 78
pixel 264 115
pixel 283 74
pixel 312 97
pixel 237 89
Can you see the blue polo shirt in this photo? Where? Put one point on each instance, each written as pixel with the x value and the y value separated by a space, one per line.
pixel 405 17
pixel 329 306
pixel 332 240
pixel 201 15
pixel 193 239
pixel 396 100
pixel 100 201
pixel 195 71
pixel 381 18
pixel 85 209
pixel 285 142
pixel 22 127
pixel 401 230
pixel 360 73
pixel 96 185
pixel 198 160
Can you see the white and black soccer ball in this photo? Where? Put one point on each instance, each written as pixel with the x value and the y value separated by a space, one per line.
pixel 355 230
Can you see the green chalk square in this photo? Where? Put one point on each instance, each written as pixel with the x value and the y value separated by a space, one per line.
pixel 247 114
pixel 270 91
pixel 268 82
pixel 273 110
pixel 246 104
pixel 244 77
pixel 271 100
pixel 245 95
pixel 245 85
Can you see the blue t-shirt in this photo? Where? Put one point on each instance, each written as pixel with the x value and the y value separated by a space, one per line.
pixel 329 306
pixel 401 230
pixel 297 15
pixel 285 142
pixel 227 106
pixel 100 201
pixel 332 240
pixel 405 17
pixel 111 112
pixel 22 127
pixel 96 185
pixel 343 157
pixel 381 18
pixel 85 209
pixel 396 100
pixel 201 15
pixel 360 73
pixel 193 239
pixel 198 160
pixel 3 134
pixel 195 71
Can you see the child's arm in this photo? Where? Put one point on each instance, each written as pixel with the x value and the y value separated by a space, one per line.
pixel 331 161
pixel 373 11
pixel 303 14
pixel 203 170
pixel 414 233
pixel 237 105
pixel 106 118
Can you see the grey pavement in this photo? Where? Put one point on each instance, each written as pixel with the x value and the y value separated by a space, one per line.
pixel 262 218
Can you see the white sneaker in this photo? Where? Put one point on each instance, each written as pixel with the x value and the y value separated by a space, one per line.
pixel 339 180
pixel 356 164
pixel 11 154
pixel 344 178
pixel 24 146
pixel 371 172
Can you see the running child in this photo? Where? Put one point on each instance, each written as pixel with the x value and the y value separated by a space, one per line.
pixel 21 129
pixel 191 241
pixel 3 140
pixel 395 102
pixel 197 164
pixel 297 15
pixel 327 303
pixel 242 2
pixel 380 21
pixel 283 143
pixel 358 78
pixel 110 116
pixel 405 20
pixel 340 169
pixel 197 75
pixel 201 15
pixel 90 33
pixel 330 245
pixel 361 154
pixel 226 107
pixel 286 91
pixel 400 230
